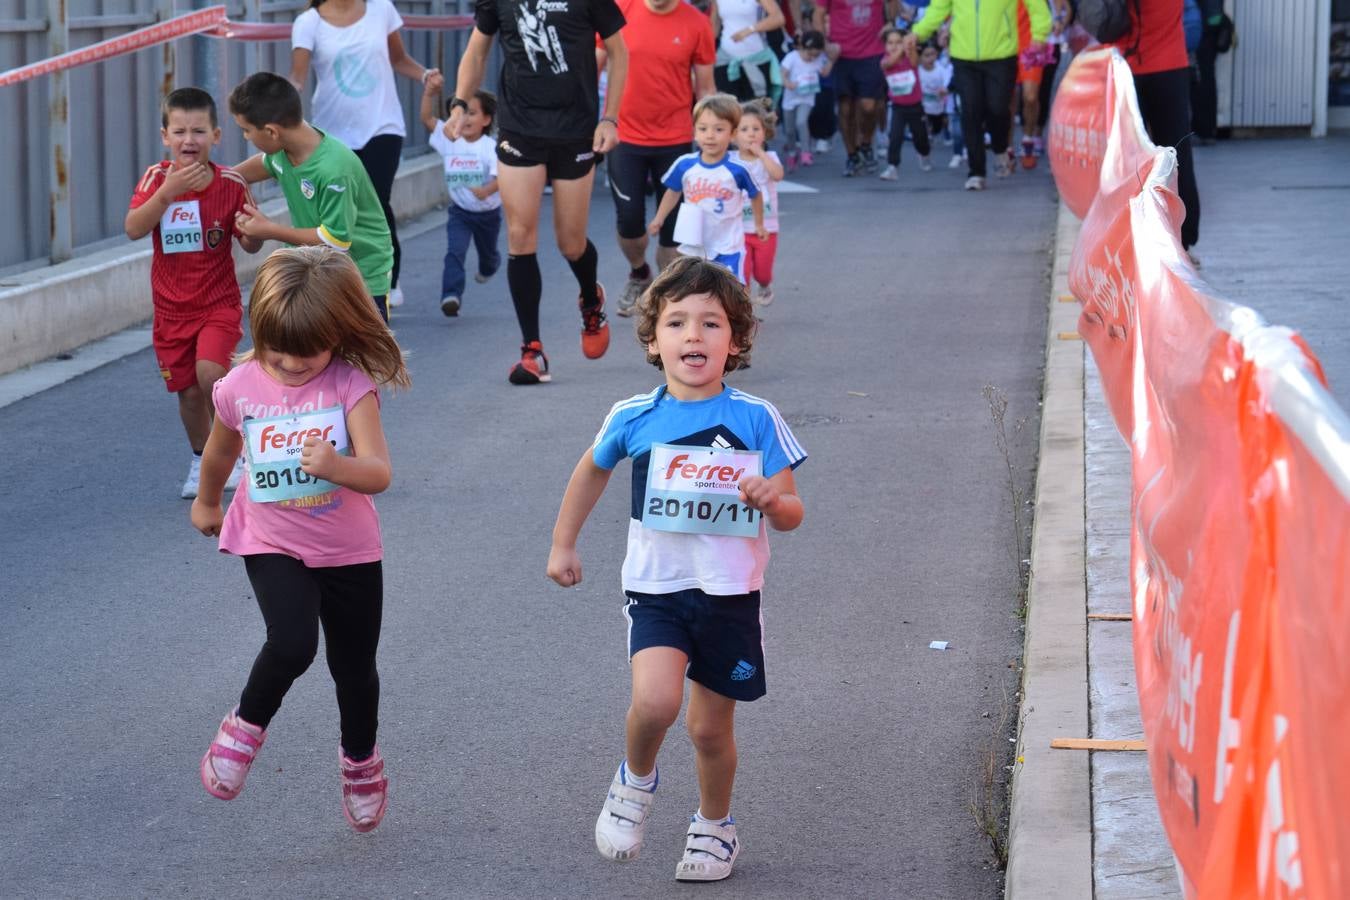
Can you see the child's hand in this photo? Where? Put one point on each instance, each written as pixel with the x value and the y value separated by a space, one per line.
pixel 790 84
pixel 319 458
pixel 207 518
pixel 252 223
pixel 757 491
pixel 564 566
pixel 435 81
pixel 742 34
pixel 192 177
pixel 761 232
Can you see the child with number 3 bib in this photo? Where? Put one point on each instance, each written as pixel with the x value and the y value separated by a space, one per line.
pixel 710 466
pixel 304 408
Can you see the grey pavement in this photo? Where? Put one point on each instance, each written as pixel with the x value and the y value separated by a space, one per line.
pixel 126 635
pixel 1274 238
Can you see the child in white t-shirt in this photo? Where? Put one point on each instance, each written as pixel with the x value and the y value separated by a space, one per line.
pixel 766 171
pixel 471 178
pixel 802 70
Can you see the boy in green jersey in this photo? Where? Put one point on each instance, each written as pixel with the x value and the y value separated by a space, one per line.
pixel 328 192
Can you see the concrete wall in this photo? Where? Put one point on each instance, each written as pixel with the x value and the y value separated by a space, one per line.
pixel 53 310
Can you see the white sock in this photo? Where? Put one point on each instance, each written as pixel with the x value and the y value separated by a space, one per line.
pixel 698 816
pixel 641 782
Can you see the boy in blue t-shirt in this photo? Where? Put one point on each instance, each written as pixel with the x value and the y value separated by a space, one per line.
pixel 710 465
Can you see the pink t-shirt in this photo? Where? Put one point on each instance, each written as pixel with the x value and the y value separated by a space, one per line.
pixel 855 25
pixel 902 83
pixel 326 525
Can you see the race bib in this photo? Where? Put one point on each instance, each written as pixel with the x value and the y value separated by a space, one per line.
pixel 900 83
pixel 696 490
pixel 464 171
pixel 180 228
pixel 808 83
pixel 274 447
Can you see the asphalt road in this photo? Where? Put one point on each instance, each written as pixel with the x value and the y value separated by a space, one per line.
pixel 125 636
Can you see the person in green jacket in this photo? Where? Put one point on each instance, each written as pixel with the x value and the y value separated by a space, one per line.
pixel 984 69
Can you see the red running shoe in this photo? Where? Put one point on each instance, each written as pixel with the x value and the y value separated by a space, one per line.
pixel 533 365
pixel 594 328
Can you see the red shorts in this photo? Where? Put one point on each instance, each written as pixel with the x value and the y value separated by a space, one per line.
pixel 179 343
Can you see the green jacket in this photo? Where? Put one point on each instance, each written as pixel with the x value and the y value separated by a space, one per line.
pixel 983 29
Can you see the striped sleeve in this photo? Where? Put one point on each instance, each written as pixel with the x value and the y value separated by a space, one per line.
pixel 146 187
pixel 610 445
pixel 780 446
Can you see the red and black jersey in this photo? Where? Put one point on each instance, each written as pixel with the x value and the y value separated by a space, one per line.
pixel 193 268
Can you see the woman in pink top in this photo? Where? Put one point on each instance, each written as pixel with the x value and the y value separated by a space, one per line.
pixel 304 410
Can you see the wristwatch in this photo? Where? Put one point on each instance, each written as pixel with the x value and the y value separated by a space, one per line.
pixel 611 120
pixel 462 104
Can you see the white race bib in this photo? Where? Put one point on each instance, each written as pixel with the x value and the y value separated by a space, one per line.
pixel 273 448
pixel 900 83
pixel 464 171
pixel 697 490
pixel 180 228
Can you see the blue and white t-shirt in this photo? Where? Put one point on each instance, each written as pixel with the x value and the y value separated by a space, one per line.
pixel 468 164
pixel 662 562
pixel 716 191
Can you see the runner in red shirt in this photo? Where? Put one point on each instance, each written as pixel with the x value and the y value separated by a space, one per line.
pixel 190 204
pixel 667 40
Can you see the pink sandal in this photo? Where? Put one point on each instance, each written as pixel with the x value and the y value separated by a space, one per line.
pixel 365 790
pixel 227 760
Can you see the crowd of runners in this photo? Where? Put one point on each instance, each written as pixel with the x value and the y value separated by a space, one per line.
pixel 683 105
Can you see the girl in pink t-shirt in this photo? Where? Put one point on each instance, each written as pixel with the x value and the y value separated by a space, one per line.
pixel 304 411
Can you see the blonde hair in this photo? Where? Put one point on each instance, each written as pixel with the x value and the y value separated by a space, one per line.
pixel 724 106
pixel 761 109
pixel 307 300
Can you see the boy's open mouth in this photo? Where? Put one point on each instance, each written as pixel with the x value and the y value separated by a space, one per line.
pixel 694 359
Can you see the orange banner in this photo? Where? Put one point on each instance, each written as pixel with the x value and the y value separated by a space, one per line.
pixel 1240 526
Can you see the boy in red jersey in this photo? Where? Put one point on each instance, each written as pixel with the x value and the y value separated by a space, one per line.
pixel 190 204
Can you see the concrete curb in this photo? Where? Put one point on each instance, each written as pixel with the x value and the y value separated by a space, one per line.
pixel 52 310
pixel 1050 827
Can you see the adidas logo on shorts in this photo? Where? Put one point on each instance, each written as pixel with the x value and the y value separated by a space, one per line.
pixel 743 671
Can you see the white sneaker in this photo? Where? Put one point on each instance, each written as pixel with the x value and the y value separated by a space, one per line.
pixel 890 173
pixel 396 297
pixel 957 161
pixel 193 480
pixel 710 850
pixel 480 278
pixel 236 474
pixel 632 292
pixel 926 163
pixel 822 145
pixel 623 818
pixel 975 183
pixel 763 297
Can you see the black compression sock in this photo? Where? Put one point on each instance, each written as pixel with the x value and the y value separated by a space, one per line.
pixel 642 273
pixel 526 285
pixel 584 268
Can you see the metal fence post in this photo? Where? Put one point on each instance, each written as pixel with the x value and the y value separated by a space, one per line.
pixel 59 136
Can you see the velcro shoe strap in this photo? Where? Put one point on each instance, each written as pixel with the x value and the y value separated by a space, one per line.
pixel 711 838
pixel 362 771
pixel 376 786
pixel 220 751
pixel 241 734
pixel 628 803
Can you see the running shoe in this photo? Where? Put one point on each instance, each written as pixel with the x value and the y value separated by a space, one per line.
pixel 926 163
pixel 851 165
pixel 791 161
pixel 194 478
pixel 975 183
pixel 365 790
pixel 450 305
pixel 623 818
pixel 763 297
pixel 1028 153
pixel 594 328
pixel 890 173
pixel 957 162
pixel 533 365
pixel 807 159
pixel 481 278
pixel 396 296
pixel 868 158
pixel 822 145
pixel 231 754
pixel 1003 165
pixel 632 292
pixel 710 850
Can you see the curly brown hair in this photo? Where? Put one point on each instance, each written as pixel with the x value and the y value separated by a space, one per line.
pixel 685 277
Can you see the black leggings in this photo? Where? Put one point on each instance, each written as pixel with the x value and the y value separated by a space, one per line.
pixel 986 89
pixel 1164 104
pixel 294 599
pixel 380 156
pixel 913 117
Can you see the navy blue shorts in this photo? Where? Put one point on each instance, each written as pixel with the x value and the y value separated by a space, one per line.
pixel 859 78
pixel 721 635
